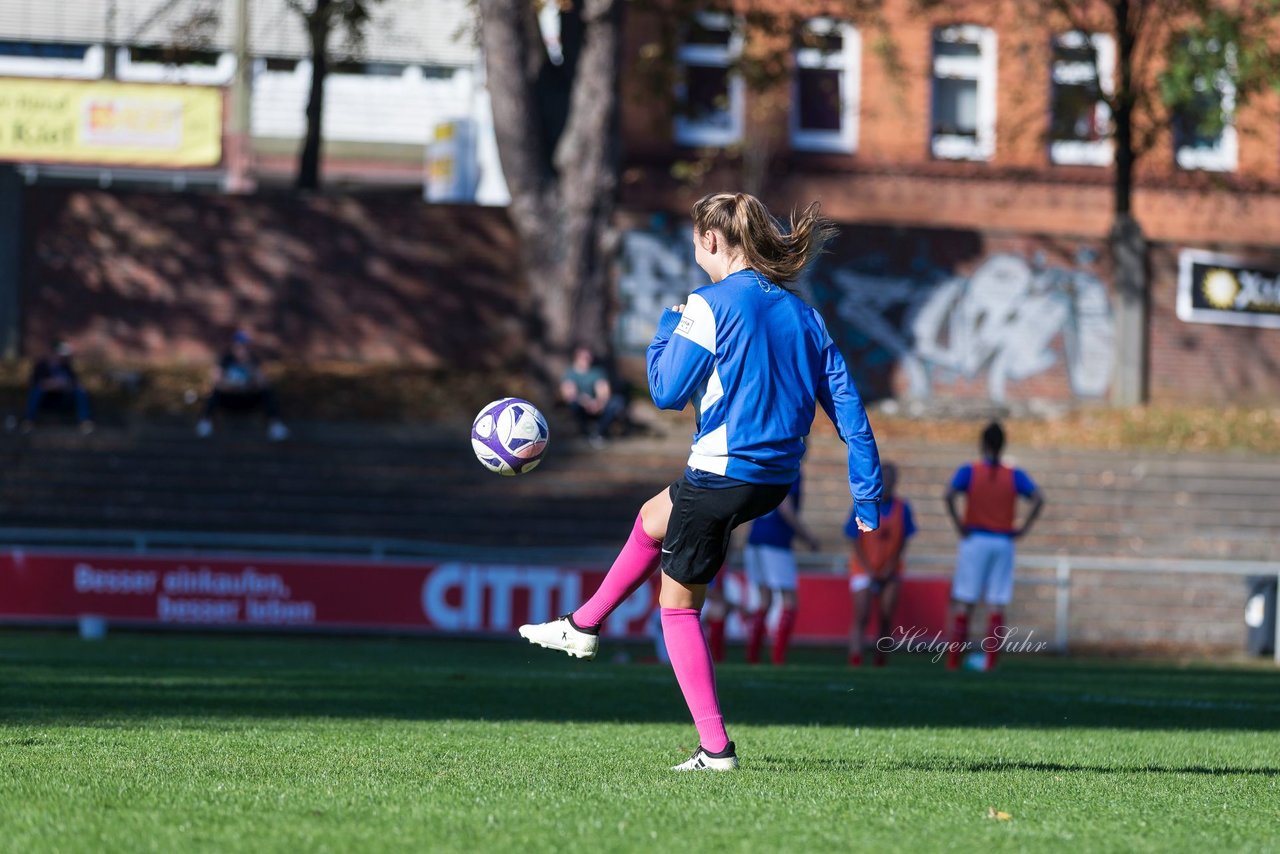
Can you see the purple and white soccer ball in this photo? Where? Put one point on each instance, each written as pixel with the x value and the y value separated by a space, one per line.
pixel 509 436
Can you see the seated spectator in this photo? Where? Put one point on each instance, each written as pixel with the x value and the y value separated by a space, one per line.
pixel 590 395
pixel 240 386
pixel 54 384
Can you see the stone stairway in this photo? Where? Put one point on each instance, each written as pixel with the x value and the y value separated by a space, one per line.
pixel 422 483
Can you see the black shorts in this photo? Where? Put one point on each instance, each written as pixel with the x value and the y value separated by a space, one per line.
pixel 697 540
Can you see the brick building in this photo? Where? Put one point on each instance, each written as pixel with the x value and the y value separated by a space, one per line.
pixel 975 189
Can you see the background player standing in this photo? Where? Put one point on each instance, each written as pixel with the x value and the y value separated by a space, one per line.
pixel 876 566
pixel 984 559
pixel 771 566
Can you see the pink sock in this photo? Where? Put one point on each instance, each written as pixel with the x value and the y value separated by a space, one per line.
pixel 634 564
pixel 691 660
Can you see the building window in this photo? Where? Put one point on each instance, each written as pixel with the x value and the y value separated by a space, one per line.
pixel 709 96
pixel 1083 68
pixel 158 64
pixel 824 114
pixel 964 93
pixel 1204 133
pixel 362 68
pixel 173 56
pixel 281 64
pixel 44 50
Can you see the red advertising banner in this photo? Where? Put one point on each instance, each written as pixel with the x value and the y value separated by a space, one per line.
pixel 349 595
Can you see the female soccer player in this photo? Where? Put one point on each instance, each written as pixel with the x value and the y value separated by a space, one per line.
pixel 753 359
pixel 984 558
pixel 876 567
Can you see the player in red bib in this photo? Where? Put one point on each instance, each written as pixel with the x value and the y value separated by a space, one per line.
pixel 988 528
pixel 876 565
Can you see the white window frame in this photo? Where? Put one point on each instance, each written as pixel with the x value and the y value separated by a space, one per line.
pixel 688 129
pixel 982 69
pixel 1225 156
pixel 848 61
pixel 1100 152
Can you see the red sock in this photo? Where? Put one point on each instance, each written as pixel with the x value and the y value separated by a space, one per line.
pixel 786 625
pixel 959 634
pixel 632 567
pixel 755 636
pixel 715 639
pixel 855 659
pixel 691 661
pixel 995 622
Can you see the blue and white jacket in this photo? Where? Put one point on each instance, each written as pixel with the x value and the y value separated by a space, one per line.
pixel 753 358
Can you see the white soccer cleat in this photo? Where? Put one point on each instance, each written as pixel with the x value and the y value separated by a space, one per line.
pixel 703 760
pixel 561 634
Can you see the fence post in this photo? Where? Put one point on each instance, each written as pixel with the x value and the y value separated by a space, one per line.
pixel 1062 610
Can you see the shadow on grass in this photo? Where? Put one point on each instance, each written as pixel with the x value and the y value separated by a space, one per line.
pixel 950 764
pixel 56 678
pixel 999 766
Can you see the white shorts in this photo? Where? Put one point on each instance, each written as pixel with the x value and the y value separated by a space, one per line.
pixel 770 566
pixel 984 569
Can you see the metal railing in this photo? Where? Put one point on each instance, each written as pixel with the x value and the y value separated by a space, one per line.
pixel 390 548
pixel 1064 565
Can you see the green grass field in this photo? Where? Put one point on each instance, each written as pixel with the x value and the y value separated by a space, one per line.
pixel 232 743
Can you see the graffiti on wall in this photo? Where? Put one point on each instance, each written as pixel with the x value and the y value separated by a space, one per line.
pixel 1009 319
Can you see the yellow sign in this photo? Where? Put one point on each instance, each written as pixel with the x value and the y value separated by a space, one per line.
pixel 134 124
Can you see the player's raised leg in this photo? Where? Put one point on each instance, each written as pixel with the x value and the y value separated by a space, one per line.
pixel 577 634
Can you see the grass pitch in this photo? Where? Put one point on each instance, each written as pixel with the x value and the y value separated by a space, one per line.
pixel 232 743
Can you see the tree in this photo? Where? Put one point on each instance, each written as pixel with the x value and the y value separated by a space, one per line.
pixel 557 129
pixel 1176 62
pixel 321 18
pixel 1174 59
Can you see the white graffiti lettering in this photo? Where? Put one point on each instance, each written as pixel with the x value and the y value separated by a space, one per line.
pixel 1012 318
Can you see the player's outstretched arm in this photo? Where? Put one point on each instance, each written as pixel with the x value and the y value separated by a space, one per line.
pixel 840 400
pixel 682 354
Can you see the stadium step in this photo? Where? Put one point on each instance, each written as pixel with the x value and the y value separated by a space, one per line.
pixel 423 483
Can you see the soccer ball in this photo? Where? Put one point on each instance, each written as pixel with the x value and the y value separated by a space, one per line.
pixel 509 436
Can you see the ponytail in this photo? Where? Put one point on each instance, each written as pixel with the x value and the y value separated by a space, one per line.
pixel 748 227
pixel 993 441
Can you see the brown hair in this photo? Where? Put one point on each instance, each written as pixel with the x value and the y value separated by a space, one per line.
pixel 748 227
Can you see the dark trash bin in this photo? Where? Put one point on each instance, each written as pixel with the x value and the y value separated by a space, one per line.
pixel 1260 615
